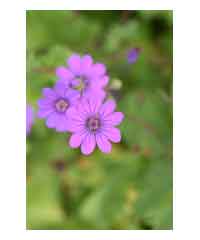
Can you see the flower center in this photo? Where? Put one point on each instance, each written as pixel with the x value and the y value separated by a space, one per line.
pixel 81 83
pixel 61 105
pixel 93 123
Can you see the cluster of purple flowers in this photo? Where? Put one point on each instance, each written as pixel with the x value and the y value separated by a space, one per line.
pixel 76 104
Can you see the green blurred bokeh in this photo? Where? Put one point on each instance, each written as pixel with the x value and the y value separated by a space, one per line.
pixel 131 188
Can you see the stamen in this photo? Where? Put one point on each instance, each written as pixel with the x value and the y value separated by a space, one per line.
pixel 93 123
pixel 61 105
pixel 82 83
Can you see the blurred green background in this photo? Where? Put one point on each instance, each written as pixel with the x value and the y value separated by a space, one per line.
pixel 131 188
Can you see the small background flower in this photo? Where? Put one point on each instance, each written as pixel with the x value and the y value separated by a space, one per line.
pixel 133 55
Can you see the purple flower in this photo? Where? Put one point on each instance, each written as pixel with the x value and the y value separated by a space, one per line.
pixel 83 76
pixel 29 118
pixel 55 106
pixel 133 55
pixel 94 123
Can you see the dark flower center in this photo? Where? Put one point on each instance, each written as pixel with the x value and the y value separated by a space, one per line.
pixel 93 123
pixel 61 105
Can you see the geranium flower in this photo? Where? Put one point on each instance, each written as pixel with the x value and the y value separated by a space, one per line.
pixel 133 55
pixel 29 118
pixel 83 76
pixel 55 106
pixel 93 123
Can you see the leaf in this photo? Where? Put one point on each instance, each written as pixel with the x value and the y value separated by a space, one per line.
pixel 121 36
pixel 154 204
pixel 43 199
pixel 106 206
pixel 47 28
pixel 148 121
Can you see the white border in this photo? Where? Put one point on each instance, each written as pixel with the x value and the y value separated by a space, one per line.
pixel 99 5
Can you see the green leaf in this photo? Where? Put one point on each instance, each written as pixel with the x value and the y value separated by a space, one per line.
pixel 43 199
pixel 106 206
pixel 154 204
pixel 148 121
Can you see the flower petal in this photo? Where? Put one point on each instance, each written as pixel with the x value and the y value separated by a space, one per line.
pixel 133 55
pixel 104 81
pixel 88 144
pixel 74 63
pixel 108 107
pixel 62 123
pixel 83 106
pixel 86 62
pixel 44 103
pixel 75 126
pixel 103 143
pixel 60 89
pixel 72 96
pixel 42 113
pixel 64 73
pixel 64 81
pixel 48 93
pixel 29 118
pixel 76 139
pixel 99 69
pixel 95 103
pixel 94 93
pixel 74 115
pixel 113 134
pixel 52 120
pixel 114 119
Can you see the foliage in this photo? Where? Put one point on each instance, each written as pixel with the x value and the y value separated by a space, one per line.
pixel 131 188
